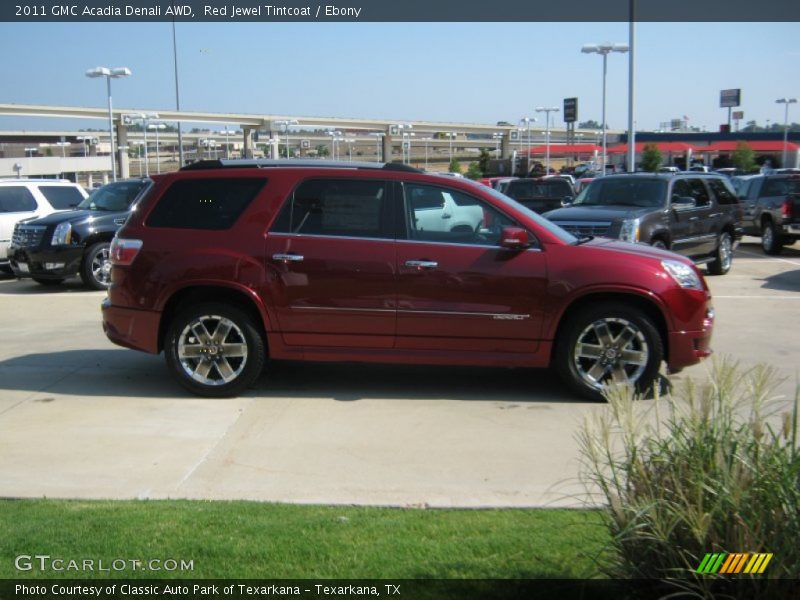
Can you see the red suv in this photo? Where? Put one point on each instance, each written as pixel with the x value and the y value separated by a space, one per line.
pixel 226 263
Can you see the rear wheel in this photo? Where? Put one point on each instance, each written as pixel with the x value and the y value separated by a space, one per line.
pixel 723 255
pixel 609 344
pixel 96 266
pixel 771 240
pixel 659 243
pixel 214 350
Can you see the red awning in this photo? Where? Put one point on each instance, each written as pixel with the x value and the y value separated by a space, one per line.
pixel 674 147
pixel 562 149
pixel 757 146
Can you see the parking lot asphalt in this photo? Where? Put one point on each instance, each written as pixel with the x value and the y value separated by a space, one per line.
pixel 82 418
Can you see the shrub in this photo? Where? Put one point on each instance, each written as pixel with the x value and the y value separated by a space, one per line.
pixel 651 158
pixel 474 171
pixel 455 166
pixel 744 158
pixel 720 472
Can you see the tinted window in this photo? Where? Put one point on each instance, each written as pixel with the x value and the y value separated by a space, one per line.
pixel 204 203
pixel 114 196
pixel 780 187
pixel 338 207
pixel 699 192
pixel 681 189
pixel 16 199
pixel 61 197
pixel 557 188
pixel 437 214
pixel 722 191
pixel 624 191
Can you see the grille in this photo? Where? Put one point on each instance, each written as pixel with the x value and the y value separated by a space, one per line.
pixel 27 236
pixel 596 228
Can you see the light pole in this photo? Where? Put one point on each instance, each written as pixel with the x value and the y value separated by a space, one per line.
pixel 157 127
pixel 85 140
pixel 604 50
pixel 786 102
pixel 335 136
pixel 451 135
pixel 547 110
pixel 378 138
pixel 145 119
pixel 286 123
pixel 528 121
pixel 110 74
pixel 31 150
pixel 497 137
pixel 426 140
pixel 227 151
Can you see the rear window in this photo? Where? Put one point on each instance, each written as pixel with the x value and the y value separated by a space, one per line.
pixel 539 189
pixel 212 204
pixel 780 186
pixel 61 197
pixel 16 199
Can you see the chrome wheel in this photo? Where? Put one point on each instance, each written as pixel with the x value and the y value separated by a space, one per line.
pixel 611 350
pixel 725 252
pixel 101 267
pixel 767 238
pixel 660 244
pixel 212 350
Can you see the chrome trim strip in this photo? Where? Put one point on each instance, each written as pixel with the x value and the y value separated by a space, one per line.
pixel 495 316
pixel 341 309
pixel 367 239
pixel 694 239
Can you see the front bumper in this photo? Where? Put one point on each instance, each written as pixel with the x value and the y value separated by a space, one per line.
pixel 131 328
pixel 687 348
pixel 45 263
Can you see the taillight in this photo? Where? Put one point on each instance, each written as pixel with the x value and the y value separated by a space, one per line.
pixel 123 252
pixel 786 210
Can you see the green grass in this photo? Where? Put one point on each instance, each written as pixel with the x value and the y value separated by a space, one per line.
pixel 257 540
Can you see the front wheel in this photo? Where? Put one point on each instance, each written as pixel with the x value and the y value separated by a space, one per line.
pixel 96 266
pixel 609 344
pixel 723 255
pixel 770 239
pixel 214 350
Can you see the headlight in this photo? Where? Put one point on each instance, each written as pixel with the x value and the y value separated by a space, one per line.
pixel 629 231
pixel 684 275
pixel 62 236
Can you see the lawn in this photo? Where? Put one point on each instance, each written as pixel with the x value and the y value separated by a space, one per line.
pixel 276 541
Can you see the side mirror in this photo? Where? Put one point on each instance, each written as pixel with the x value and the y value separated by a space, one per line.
pixel 567 201
pixel 514 238
pixel 683 203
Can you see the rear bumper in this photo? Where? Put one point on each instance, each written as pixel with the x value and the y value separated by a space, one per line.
pixel 131 328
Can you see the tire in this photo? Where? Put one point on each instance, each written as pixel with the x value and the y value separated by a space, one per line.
pixel 48 282
pixel 771 240
pixel 659 243
pixel 204 368
pixel 723 255
pixel 96 266
pixel 587 362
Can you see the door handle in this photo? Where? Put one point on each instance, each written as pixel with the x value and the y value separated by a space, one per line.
pixel 419 265
pixel 287 258
pixel 447 216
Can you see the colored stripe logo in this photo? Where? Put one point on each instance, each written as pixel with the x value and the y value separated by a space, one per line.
pixel 735 563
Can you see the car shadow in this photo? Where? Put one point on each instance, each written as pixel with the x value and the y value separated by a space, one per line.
pixel 751 248
pixel 124 373
pixel 787 281
pixel 23 287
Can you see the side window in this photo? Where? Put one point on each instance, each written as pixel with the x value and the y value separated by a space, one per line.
pixel 437 214
pixel 722 191
pixel 62 197
pixel 16 199
pixel 212 204
pixel 774 187
pixel 699 192
pixel 338 207
pixel 681 189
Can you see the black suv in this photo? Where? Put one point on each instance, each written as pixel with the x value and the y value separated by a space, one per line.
pixel 50 249
pixel 540 194
pixel 694 214
pixel 771 209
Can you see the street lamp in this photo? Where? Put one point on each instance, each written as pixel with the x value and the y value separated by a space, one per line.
pixel 85 140
pixel 378 137
pixel 157 127
pixel 349 142
pixel 786 102
pixel 31 150
pixel 145 119
pixel 335 136
pixel 225 133
pixel 451 135
pixel 403 136
pixel 547 110
pixel 497 137
pixel 286 123
pixel 110 74
pixel 528 121
pixel 604 50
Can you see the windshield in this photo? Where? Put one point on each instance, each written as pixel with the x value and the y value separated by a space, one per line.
pixel 507 202
pixel 624 191
pixel 113 197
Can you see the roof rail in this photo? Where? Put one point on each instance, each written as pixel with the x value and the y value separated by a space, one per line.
pixel 203 165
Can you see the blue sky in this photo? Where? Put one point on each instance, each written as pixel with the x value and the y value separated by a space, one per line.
pixel 470 72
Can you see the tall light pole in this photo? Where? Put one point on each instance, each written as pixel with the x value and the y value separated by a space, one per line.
pixel 378 137
pixel 85 140
pixel 31 150
pixel 157 127
pixel 177 93
pixel 145 118
pixel 786 102
pixel 528 121
pixel 604 50
pixel 547 110
pixel 110 74
pixel 497 137
pixel 631 90
pixel 286 123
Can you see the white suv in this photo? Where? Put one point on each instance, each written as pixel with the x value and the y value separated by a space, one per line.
pixel 30 198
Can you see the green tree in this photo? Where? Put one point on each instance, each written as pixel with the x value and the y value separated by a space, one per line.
pixel 323 150
pixel 474 171
pixel 744 158
pixel 455 166
pixel 651 158
pixel 590 124
pixel 483 161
